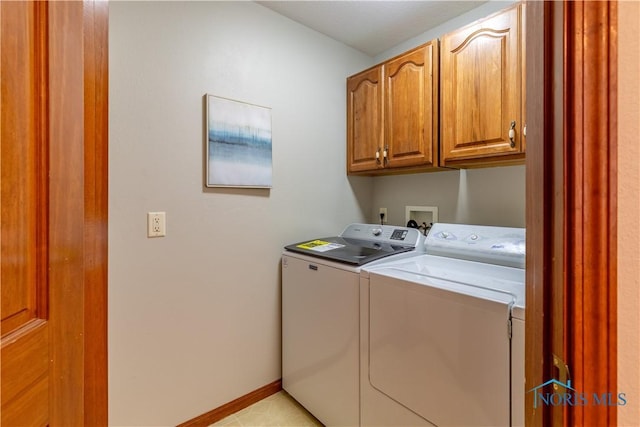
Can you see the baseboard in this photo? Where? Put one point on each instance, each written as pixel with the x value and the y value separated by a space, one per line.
pixel 234 406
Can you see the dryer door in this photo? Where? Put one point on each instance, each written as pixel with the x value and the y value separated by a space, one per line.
pixel 441 349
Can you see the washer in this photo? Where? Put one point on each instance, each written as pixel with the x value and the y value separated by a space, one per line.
pixel 320 315
pixel 442 334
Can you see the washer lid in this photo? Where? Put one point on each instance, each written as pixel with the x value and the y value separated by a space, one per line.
pixel 480 280
pixel 359 244
pixel 347 250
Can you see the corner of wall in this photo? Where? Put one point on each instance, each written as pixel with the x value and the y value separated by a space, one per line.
pixel 628 212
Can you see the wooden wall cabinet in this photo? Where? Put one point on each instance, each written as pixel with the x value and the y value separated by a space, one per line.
pixel 482 117
pixel 392 114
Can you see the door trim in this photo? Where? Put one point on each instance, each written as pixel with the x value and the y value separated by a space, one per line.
pixel 96 141
pixel 591 204
pixel 66 214
pixel 539 200
pixel 78 201
pixel 571 203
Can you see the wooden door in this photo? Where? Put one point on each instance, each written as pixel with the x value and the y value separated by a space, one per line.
pixel 24 217
pixel 364 121
pixel 411 107
pixel 53 216
pixel 481 88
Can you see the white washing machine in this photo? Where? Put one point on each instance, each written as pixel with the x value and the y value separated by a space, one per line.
pixel 442 334
pixel 320 315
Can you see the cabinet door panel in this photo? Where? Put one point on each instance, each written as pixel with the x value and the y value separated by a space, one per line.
pixel 478 113
pixel 481 88
pixel 410 110
pixel 364 120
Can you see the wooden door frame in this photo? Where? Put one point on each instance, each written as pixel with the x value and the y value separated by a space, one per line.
pixel 588 221
pixel 78 202
pixel 571 204
pixel 590 316
pixel 96 170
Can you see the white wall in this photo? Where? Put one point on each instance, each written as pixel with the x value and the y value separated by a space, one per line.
pixel 492 196
pixel 628 212
pixel 488 196
pixel 484 9
pixel 194 317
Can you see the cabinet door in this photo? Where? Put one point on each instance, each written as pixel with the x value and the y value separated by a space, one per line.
pixel 481 88
pixel 411 109
pixel 364 121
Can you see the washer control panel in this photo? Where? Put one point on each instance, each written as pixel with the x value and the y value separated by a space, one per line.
pixel 384 234
pixel 482 243
pixel 399 234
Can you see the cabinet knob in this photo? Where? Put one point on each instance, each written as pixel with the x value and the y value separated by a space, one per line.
pixel 512 134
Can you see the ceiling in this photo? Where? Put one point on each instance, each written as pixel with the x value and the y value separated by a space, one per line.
pixel 371 27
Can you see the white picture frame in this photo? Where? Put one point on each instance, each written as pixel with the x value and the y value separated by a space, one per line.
pixel 238 144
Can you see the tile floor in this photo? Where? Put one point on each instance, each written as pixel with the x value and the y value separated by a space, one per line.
pixel 277 410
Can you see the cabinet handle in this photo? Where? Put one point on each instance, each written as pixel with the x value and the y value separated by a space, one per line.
pixel 524 131
pixel 512 134
pixel 384 153
pixel 378 155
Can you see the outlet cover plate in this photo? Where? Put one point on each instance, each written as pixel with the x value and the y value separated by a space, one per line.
pixel 156 224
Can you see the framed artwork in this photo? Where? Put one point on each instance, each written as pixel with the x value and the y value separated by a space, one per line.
pixel 238 144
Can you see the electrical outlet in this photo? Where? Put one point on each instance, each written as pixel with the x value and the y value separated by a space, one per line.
pixel 156 224
pixel 385 218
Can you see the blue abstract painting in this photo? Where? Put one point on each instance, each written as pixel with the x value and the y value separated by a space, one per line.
pixel 238 144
